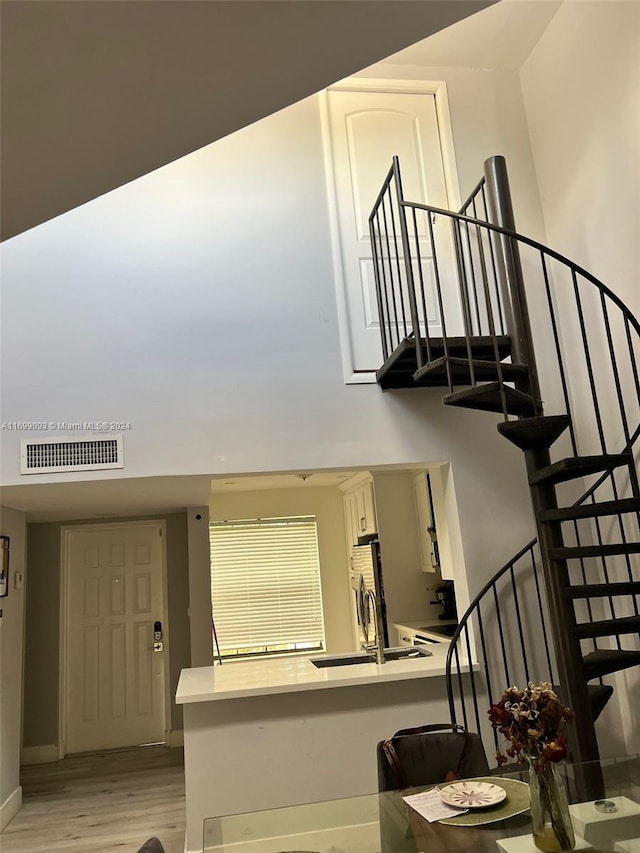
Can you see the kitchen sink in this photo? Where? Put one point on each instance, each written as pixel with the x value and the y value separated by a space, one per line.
pixel 399 653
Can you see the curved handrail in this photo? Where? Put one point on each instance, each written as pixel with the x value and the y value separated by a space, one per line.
pixel 534 244
pixel 474 241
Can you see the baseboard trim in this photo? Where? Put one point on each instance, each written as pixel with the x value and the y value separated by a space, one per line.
pixel 44 754
pixel 10 808
pixel 175 738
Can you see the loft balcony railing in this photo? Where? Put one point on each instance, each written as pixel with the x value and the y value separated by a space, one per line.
pixel 443 276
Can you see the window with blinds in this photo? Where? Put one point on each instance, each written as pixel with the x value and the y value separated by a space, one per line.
pixel 265 586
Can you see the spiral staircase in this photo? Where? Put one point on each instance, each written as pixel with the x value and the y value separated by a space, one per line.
pixel 538 340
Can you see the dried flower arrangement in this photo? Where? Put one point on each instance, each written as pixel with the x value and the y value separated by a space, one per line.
pixel 533 721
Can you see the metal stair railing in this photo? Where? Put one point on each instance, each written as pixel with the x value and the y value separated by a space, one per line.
pixel 588 347
pixel 562 294
pixel 516 648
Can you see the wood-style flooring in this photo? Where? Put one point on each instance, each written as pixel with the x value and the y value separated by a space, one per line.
pixel 109 801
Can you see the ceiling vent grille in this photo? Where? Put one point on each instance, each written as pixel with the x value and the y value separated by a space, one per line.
pixel 71 454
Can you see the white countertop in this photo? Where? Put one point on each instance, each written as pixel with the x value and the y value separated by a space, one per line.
pixel 424 623
pixel 236 679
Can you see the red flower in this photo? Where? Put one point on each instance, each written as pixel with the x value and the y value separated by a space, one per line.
pixel 556 750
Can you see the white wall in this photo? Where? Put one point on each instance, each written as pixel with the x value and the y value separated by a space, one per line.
pixel 200 636
pixel 326 505
pixel 197 303
pixel 12 524
pixel 487 118
pixel 581 88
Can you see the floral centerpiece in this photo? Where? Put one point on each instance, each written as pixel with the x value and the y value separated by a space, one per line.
pixel 533 721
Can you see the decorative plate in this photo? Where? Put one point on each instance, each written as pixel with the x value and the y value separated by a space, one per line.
pixel 472 794
pixel 516 803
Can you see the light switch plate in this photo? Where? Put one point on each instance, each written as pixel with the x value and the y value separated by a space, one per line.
pixel 18 580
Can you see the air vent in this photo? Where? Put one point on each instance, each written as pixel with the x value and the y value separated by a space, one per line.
pixel 71 454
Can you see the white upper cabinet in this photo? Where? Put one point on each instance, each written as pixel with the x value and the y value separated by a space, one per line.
pixel 359 508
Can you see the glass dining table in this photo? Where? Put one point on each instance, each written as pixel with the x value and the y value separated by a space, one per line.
pixel 385 823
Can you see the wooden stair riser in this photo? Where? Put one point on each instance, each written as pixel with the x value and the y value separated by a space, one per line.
pixel 573 468
pixel 591 510
pixel 608 628
pixel 607 661
pixel 532 433
pixel 399 368
pixel 465 372
pixel 603 590
pixel 586 551
pixel 488 398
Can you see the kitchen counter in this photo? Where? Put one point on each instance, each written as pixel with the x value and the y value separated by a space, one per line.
pixel 240 679
pixel 423 625
pixel 263 734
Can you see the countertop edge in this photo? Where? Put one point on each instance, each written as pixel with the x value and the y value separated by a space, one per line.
pixel 303 687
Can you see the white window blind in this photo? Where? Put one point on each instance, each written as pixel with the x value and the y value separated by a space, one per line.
pixel 265 585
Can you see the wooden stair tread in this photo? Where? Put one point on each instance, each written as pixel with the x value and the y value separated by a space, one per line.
pixel 608 627
pixel 398 369
pixel 438 371
pixel 603 590
pixel 529 433
pixel 482 346
pixel 599 695
pixel 487 398
pixel 592 510
pixel 577 466
pixel 607 661
pixel 581 551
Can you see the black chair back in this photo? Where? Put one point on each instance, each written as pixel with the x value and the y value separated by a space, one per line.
pixel 428 755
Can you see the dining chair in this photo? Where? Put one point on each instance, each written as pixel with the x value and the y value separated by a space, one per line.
pixel 429 754
pixel 425 755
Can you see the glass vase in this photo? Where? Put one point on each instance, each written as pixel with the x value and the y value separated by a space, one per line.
pixel 551 821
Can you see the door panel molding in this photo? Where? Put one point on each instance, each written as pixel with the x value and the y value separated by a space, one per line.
pixel 388 86
pixel 63 674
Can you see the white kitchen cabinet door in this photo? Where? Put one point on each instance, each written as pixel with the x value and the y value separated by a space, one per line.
pixel 365 510
pixel 349 503
pixel 367 129
pixel 359 512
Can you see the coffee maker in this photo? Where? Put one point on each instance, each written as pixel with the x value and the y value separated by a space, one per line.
pixel 446 598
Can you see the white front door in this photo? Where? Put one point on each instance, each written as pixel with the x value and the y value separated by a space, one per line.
pixel 114 678
pixel 367 129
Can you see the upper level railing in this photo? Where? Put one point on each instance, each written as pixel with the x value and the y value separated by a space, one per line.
pixel 440 275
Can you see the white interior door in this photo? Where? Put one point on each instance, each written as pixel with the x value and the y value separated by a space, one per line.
pixel 367 129
pixel 114 678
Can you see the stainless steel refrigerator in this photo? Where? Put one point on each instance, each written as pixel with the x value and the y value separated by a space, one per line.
pixel 366 573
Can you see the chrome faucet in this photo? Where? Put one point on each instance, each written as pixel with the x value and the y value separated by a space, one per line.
pixel 377 647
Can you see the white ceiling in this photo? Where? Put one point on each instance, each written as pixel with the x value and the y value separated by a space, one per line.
pixel 96 94
pixel 500 37
pixel 119 496
pixel 303 480
pixel 107 498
